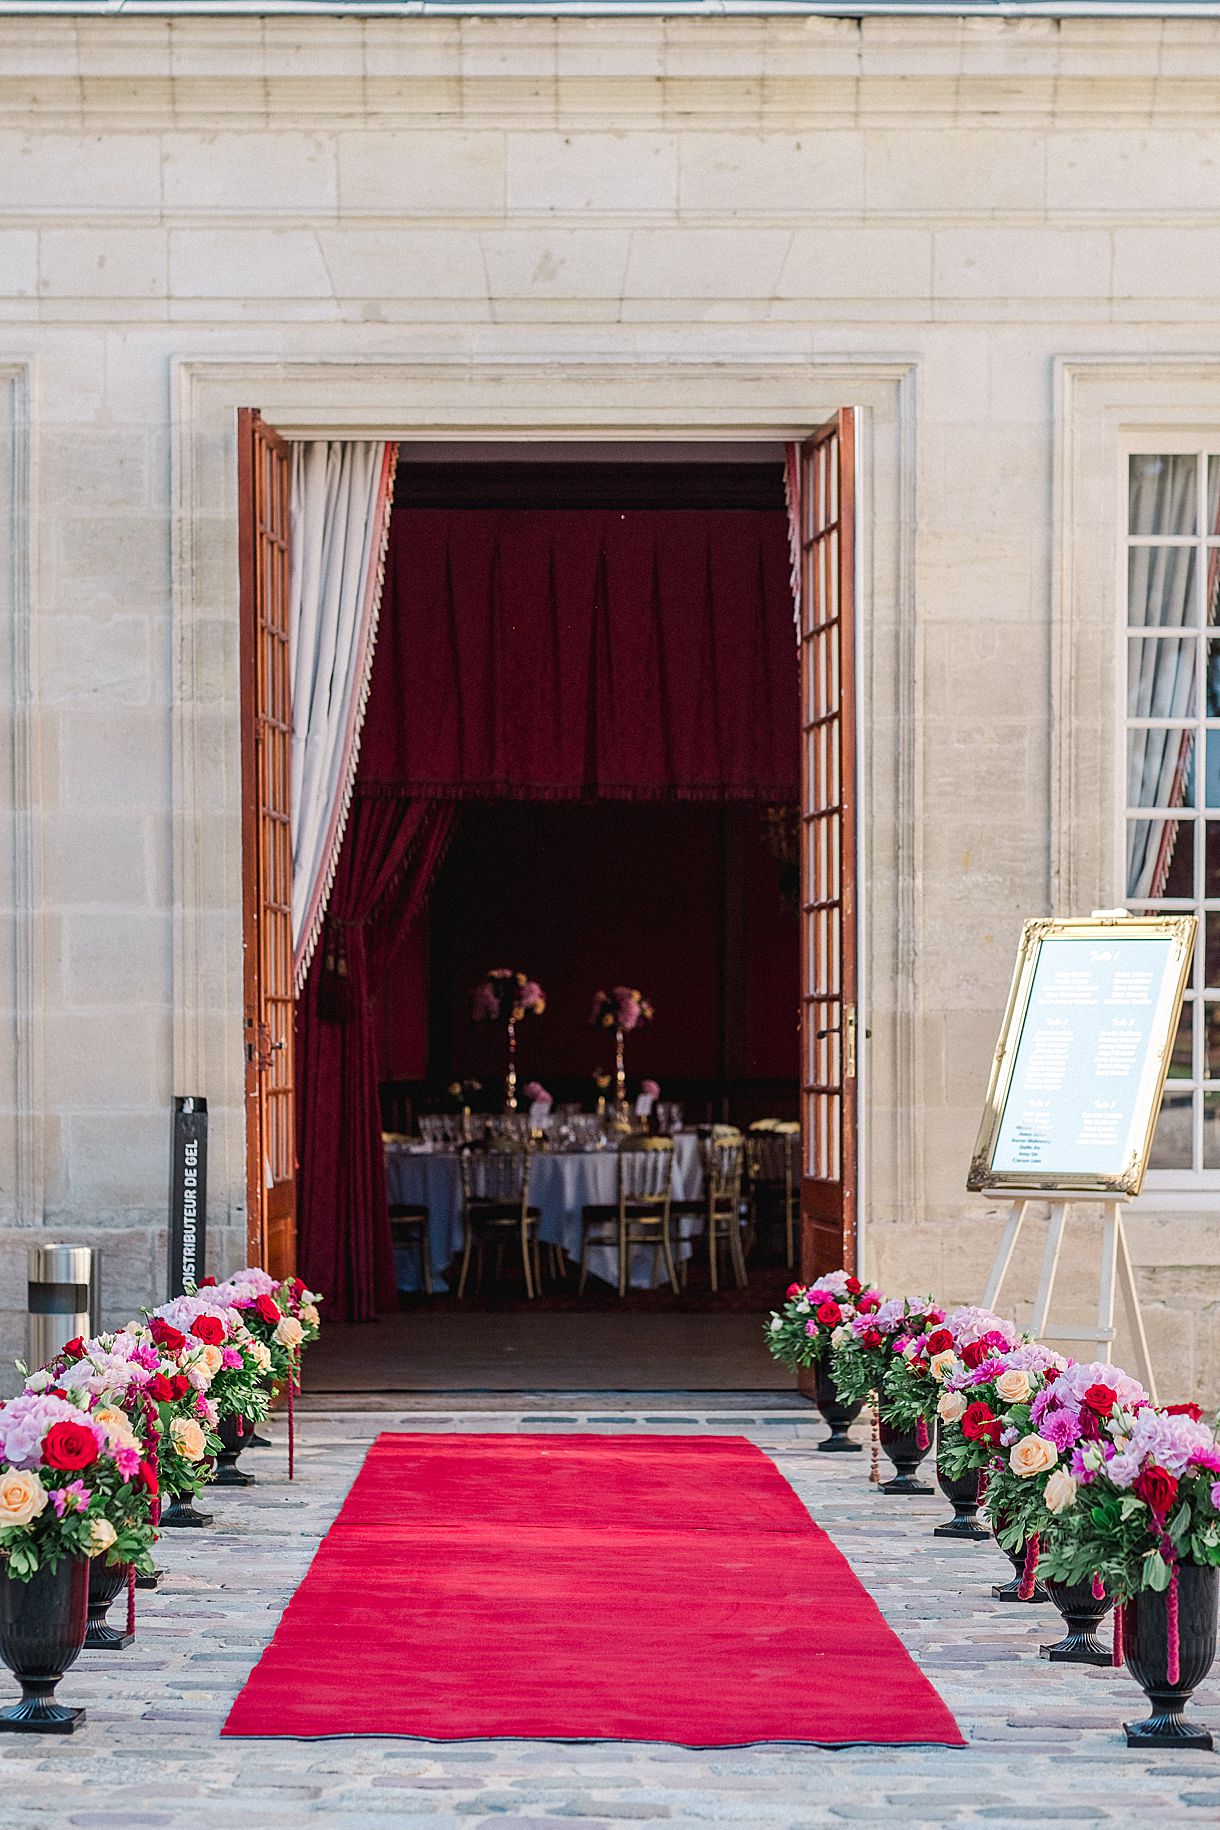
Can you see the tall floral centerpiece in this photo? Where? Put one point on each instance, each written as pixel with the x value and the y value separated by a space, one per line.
pixel 800 1335
pixel 506 997
pixel 73 1487
pixel 621 1010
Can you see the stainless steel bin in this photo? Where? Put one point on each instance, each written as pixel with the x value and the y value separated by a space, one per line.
pixel 62 1300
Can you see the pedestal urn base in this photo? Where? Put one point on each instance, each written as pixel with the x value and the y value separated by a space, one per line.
pixel 42 1629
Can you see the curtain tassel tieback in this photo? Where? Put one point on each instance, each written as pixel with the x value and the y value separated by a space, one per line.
pixel 874 1470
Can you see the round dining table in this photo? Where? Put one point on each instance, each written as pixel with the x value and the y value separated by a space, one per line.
pixel 562 1184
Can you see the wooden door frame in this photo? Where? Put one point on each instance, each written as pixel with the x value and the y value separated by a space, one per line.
pixel 260 1246
pixel 465 397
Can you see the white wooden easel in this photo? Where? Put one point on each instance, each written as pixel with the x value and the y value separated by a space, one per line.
pixel 1115 1262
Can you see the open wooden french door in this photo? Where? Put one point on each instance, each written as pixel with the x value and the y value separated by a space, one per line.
pixel 827 607
pixel 264 480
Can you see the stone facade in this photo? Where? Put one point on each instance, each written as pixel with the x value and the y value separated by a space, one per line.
pixel 1000 238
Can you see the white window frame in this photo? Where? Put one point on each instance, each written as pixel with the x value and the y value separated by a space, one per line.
pixel 1202 541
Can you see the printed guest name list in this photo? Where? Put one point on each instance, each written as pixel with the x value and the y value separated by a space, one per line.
pixel 1077 1099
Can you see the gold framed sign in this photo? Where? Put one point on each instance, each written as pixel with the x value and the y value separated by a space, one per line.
pixel 1083 1053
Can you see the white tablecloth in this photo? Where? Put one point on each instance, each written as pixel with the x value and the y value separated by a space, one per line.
pixel 561 1187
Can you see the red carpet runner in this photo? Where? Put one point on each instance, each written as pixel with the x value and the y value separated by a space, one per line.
pixel 642 1588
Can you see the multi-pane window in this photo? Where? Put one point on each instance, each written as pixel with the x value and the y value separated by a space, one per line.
pixel 1173 762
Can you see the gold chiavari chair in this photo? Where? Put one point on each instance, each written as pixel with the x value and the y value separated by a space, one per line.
pixel 773 1172
pixel 723 1158
pixel 641 1214
pixel 496 1210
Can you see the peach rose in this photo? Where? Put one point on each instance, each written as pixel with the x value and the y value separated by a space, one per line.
pixel 289 1333
pixel 310 1314
pixel 119 1433
pixel 951 1407
pixel 1013 1386
pixel 101 1536
pixel 1060 1492
pixel 260 1355
pixel 213 1359
pixel 22 1498
pixel 942 1364
pixel 188 1438
pixel 1032 1455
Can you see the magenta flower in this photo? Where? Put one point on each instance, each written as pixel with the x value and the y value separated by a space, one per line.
pixel 1216 1495
pixel 231 1356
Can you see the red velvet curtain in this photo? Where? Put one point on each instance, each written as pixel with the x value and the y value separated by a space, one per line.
pixel 566 653
pixel 390 854
pixel 553 654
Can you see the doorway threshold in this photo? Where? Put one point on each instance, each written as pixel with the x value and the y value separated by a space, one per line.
pixel 600 1406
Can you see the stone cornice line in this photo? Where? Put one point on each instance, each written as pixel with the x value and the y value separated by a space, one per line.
pixel 774 73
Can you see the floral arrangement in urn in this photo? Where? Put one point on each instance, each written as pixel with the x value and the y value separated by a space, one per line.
pixel 801 1332
pixel 915 1376
pixel 863 1348
pixel 74 1482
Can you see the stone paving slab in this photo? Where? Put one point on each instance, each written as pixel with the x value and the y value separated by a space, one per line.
pixel 1046 1744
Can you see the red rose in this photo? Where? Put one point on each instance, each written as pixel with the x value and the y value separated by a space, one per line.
pixel 179 1386
pixel 56 1391
pixel 854 1286
pixel 75 1348
pixel 1193 1411
pixel 296 1285
pixel 209 1329
pixel 69 1446
pixel 147 1479
pixel 980 1424
pixel 872 1337
pixel 793 1291
pixel 1101 1398
pixel 829 1314
pixel 159 1389
pixel 269 1311
pixel 172 1339
pixel 868 1302
pixel 1157 1488
pixel 206 1283
pixel 939 1342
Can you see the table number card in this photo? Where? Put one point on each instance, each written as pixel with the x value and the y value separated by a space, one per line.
pixel 1081 1062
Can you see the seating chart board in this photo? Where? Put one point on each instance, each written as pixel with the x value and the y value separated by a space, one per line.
pixel 1083 1053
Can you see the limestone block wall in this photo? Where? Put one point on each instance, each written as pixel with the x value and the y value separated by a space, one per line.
pixel 523 215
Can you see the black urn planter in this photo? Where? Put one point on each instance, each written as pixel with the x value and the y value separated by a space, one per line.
pixel 179 1512
pixel 1082 1612
pixel 235 1434
pixel 150 1581
pixel 838 1414
pixel 1011 1591
pixel 1146 1654
pixel 42 1629
pixel 963 1495
pixel 903 1450
pixel 105 1582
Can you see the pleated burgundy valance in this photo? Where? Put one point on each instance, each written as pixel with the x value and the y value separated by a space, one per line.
pixel 568 653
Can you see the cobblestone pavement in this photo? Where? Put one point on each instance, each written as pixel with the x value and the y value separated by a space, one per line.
pixel 1045 1742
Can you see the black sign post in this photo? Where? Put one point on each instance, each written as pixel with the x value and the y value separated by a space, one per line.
pixel 188 1193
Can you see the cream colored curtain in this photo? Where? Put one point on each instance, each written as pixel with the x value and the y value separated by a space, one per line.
pixel 342 494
